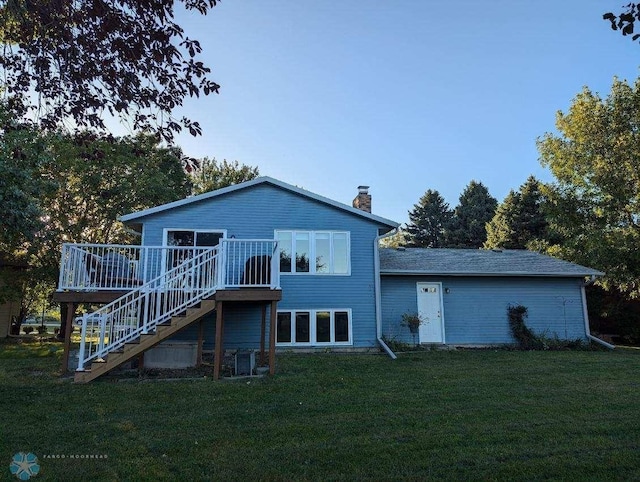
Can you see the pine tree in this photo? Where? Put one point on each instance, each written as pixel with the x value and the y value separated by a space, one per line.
pixel 519 219
pixel 475 210
pixel 501 230
pixel 428 220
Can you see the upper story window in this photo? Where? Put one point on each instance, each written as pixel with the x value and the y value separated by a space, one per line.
pixel 314 252
pixel 188 238
pixel 193 238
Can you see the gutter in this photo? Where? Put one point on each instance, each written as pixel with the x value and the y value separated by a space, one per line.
pixel 585 315
pixel 376 265
pixel 478 274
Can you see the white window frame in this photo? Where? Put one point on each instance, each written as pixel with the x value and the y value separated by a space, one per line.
pixel 165 233
pixel 312 252
pixel 165 240
pixel 312 327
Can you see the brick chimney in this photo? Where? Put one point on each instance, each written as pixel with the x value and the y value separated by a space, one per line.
pixel 363 199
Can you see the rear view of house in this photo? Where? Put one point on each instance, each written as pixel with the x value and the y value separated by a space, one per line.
pixel 266 263
pixel 222 258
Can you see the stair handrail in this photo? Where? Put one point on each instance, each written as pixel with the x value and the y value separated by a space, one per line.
pixel 142 309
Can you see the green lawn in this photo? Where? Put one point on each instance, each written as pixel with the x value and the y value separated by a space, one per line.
pixel 487 414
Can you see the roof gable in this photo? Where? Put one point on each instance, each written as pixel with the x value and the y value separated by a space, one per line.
pixel 477 262
pixel 137 216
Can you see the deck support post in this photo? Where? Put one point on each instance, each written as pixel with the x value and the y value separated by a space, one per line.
pixel 263 328
pixel 217 360
pixel 272 337
pixel 200 343
pixel 71 309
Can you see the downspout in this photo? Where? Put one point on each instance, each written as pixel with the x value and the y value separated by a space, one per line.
pixel 585 315
pixel 378 296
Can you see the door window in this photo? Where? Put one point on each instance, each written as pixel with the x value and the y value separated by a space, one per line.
pixel 189 238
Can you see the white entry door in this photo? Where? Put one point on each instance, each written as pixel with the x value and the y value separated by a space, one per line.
pixel 430 311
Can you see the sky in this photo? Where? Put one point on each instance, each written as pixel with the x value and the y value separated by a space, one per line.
pixel 403 95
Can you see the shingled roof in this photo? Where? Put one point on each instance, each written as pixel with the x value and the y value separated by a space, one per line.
pixel 477 262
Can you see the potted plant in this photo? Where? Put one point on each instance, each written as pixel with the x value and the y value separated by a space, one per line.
pixel 412 321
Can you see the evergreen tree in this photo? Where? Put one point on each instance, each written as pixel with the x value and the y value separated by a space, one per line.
pixel 519 219
pixel 475 210
pixel 428 221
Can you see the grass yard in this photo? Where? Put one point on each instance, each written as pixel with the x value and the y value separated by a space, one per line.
pixel 502 415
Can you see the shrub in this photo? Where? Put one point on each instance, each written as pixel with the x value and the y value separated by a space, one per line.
pixel 525 338
pixel 28 329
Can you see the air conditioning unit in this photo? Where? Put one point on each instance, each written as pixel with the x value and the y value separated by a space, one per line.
pixel 245 362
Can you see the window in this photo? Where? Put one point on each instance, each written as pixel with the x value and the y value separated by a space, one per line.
pixel 314 252
pixel 313 327
pixel 283 328
pixel 193 238
pixel 188 238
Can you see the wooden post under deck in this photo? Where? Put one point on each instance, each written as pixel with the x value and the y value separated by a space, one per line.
pixel 272 338
pixel 67 337
pixel 200 343
pixel 263 325
pixel 217 361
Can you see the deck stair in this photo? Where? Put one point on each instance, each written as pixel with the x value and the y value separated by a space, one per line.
pixel 158 307
pixel 144 342
pixel 145 316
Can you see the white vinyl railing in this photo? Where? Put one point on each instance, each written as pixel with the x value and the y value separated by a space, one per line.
pixel 109 267
pixel 250 263
pixel 142 309
pixel 231 264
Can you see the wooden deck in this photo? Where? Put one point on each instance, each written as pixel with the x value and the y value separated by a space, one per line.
pixel 107 296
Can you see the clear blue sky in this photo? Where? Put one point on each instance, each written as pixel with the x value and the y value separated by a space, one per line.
pixel 402 95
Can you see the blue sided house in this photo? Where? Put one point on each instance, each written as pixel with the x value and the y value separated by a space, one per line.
pixel 462 295
pixel 264 265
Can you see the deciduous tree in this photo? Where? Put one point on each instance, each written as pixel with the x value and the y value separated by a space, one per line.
pixel 625 21
pixel 210 174
pixel 74 61
pixel 394 241
pixel 77 193
pixel 595 200
pixel 99 178
pixel 23 154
